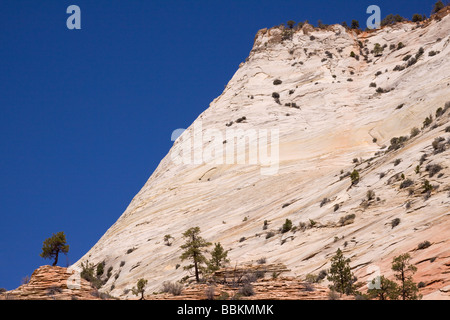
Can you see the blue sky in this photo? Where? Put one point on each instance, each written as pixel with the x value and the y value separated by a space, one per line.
pixel 86 115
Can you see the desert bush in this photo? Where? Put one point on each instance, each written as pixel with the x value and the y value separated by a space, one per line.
pixel 406 58
pixel 377 50
pixel 370 195
pixel 209 292
pixel 419 53
pixel 174 288
pixel 395 222
pixel 406 183
pixel 287 226
pixel 168 239
pixel 261 260
pixel 398 68
pixel 348 219
pixel 277 82
pixel 324 202
pixel 438 145
pixel 336 207
pixel 246 290
pixel 354 176
pixel 433 169
pixel 87 273
pixel 397 162
pixel 100 268
pixel 439 112
pixel 414 132
pixel 417 18
pixel 427 187
pixel 241 119
pixel 270 234
pixel 423 245
pixel 411 62
pixel 397 143
pixel 391 19
pixel 372 85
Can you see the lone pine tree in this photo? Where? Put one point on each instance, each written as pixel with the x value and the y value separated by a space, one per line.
pixel 340 274
pixel 53 246
pixel 193 250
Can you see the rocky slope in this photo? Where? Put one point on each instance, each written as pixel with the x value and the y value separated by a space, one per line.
pixel 334 112
pixel 53 283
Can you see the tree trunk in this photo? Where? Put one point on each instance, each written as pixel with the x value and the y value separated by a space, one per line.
pixel 197 278
pixel 56 259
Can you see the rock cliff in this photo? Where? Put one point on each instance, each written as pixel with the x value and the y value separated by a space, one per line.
pixel 306 109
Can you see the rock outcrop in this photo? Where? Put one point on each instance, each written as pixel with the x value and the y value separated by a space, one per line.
pixel 331 105
pixel 53 283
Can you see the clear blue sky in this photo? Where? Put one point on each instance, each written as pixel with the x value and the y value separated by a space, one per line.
pixel 86 115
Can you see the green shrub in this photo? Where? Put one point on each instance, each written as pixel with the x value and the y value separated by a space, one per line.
pixel 391 19
pixel 427 187
pixel 355 24
pixel 377 50
pixel 417 18
pixel 354 176
pixel 100 268
pixel 287 226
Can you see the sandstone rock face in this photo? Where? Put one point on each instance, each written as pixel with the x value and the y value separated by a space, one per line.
pixel 330 112
pixel 53 283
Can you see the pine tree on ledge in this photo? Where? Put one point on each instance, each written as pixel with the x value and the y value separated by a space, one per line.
pixel 53 246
